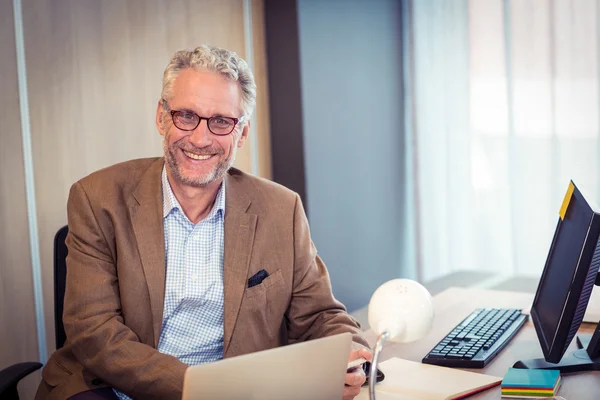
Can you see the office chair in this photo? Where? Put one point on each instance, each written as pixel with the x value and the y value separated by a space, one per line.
pixel 60 278
pixel 10 377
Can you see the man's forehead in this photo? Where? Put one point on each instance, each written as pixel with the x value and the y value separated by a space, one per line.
pixel 205 91
pixel 191 82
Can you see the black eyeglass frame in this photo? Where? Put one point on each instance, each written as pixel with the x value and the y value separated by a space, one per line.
pixel 208 120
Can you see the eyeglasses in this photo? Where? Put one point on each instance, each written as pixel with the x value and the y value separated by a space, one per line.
pixel 188 121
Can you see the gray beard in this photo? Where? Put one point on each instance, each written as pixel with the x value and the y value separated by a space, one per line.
pixel 215 174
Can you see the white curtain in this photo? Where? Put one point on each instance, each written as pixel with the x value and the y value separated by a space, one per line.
pixel 501 112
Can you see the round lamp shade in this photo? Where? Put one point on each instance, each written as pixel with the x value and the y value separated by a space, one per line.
pixel 403 308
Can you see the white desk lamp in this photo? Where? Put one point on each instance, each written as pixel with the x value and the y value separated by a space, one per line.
pixel 400 310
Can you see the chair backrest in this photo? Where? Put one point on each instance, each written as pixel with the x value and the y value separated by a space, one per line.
pixel 60 278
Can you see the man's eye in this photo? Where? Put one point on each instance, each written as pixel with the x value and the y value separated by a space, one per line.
pixel 187 116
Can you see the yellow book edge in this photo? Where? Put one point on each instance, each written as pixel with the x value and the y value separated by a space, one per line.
pixel 547 391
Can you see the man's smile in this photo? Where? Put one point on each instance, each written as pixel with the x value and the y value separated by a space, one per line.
pixel 197 156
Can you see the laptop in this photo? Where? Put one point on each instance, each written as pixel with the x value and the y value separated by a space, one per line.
pixel 308 370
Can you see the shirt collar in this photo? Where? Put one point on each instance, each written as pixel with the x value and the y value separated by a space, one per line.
pixel 170 201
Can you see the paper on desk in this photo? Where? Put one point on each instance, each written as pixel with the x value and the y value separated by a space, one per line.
pixel 592 313
pixel 409 380
pixel 364 395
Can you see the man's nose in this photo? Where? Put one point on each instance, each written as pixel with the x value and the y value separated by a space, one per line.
pixel 201 136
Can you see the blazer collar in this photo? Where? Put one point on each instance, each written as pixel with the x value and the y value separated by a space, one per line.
pixel 146 217
pixel 240 227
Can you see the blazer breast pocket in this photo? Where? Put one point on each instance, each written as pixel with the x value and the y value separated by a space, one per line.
pixel 271 282
pixel 263 306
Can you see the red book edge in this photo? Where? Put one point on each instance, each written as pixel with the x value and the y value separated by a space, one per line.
pixel 477 390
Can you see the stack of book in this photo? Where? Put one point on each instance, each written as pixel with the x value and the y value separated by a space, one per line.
pixel 530 383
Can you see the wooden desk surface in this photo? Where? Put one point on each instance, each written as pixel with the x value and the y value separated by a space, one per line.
pixel 454 304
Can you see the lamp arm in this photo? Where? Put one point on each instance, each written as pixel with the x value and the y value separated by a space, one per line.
pixel 373 371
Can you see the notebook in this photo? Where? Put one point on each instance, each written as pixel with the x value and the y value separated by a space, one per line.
pixel 530 383
pixel 409 380
pixel 314 370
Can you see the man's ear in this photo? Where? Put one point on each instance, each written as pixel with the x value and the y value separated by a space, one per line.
pixel 244 135
pixel 159 118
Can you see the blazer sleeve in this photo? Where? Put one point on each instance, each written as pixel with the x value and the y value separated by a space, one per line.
pixel 100 340
pixel 313 311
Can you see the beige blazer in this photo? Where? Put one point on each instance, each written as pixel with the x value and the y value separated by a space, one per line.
pixel 116 281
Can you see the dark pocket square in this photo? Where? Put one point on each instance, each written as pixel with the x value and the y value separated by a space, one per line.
pixel 257 278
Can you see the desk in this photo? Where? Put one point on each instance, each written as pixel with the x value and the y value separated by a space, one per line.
pixel 454 304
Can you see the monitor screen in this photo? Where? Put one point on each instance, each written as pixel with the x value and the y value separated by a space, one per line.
pixel 568 278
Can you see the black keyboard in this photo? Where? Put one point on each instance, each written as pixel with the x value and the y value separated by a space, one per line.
pixel 477 339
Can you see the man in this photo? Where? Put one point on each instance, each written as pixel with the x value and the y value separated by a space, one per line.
pixel 183 260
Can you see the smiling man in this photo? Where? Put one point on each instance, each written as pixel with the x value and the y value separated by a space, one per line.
pixel 183 260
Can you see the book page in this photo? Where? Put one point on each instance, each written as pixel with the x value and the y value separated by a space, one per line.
pixel 409 380
pixel 364 395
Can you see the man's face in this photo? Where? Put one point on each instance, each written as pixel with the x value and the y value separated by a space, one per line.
pixel 198 158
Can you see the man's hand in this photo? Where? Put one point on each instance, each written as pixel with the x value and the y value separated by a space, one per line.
pixel 356 377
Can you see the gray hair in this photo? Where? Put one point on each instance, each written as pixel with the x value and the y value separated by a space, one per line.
pixel 210 58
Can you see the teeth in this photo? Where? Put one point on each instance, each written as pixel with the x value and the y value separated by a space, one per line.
pixel 196 156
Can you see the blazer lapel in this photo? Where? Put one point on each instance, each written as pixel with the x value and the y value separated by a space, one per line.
pixel 146 216
pixel 239 238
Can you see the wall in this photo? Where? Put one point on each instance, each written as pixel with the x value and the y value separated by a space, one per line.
pixel 285 95
pixel 351 72
pixel 18 333
pixel 17 313
pixel 94 71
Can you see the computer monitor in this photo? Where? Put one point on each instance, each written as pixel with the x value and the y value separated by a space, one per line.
pixel 562 296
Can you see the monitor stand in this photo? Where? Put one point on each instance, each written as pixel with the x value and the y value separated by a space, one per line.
pixel 587 358
pixel 583 341
pixel 576 361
